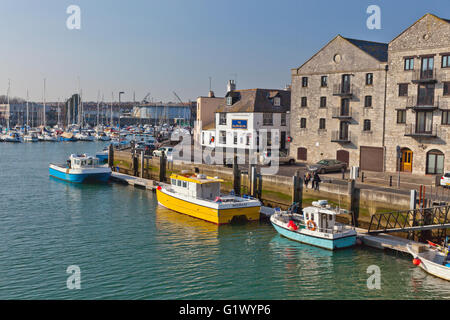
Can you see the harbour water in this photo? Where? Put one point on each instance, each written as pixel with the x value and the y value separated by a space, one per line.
pixel 128 248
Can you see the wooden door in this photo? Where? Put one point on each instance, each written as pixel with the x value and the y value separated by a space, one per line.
pixel 407 157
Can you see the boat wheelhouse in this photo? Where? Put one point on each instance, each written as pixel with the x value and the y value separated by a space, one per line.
pixel 317 227
pixel 199 196
pixel 80 169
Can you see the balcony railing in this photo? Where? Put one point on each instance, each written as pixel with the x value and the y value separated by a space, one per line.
pixel 424 76
pixel 341 113
pixel 343 89
pixel 340 136
pixel 423 102
pixel 412 130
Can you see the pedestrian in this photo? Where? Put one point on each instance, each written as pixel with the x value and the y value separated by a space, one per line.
pixel 316 181
pixel 307 177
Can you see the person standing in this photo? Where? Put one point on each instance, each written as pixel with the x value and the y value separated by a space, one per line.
pixel 307 177
pixel 316 181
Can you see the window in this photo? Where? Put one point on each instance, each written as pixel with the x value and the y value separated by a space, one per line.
pixel 324 81
pixel 269 139
pixel 223 137
pixel 446 88
pixel 229 101
pixel 267 119
pixel 368 101
pixel 283 119
pixel 366 125
pixel 322 123
pixel 435 162
pixel 179 183
pixel 424 122
pixel 248 140
pixel 445 117
pixel 323 102
pixel 303 123
pixel 446 61
pixel 235 137
pixel 304 82
pixel 184 184
pixel 409 63
pixel 403 90
pixel 401 116
pixel 304 101
pixel 276 101
pixel 222 118
pixel 369 79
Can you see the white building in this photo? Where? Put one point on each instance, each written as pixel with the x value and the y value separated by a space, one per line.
pixel 252 119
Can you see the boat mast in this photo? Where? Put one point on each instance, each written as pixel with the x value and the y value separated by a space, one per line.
pixel 98 107
pixel 28 113
pixel 59 115
pixel 7 101
pixel 112 101
pixel 44 106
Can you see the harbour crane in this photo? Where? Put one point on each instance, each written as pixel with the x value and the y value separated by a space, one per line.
pixel 145 98
pixel 181 101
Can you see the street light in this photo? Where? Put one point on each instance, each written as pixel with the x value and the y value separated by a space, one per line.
pixel 120 93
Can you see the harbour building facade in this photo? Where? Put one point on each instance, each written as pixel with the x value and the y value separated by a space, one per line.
pixel 418 94
pixel 338 103
pixel 381 107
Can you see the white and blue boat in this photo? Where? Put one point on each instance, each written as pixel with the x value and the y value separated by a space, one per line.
pixel 81 169
pixel 102 156
pixel 317 226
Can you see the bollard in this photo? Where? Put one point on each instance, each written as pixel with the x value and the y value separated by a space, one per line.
pixel 142 164
pixel 362 176
pixel 236 177
pixel 390 181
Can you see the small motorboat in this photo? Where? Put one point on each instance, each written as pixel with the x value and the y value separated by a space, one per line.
pixel 101 136
pixel 199 196
pixel 49 138
pixel 316 226
pixel 102 156
pixel 80 169
pixel 432 259
pixel 12 137
pixel 82 136
pixel 68 136
pixel 30 137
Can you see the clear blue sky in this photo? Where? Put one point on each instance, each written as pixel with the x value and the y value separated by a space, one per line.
pixel 175 45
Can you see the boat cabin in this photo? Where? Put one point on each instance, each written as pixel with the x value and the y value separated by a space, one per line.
pixel 82 161
pixel 321 217
pixel 197 186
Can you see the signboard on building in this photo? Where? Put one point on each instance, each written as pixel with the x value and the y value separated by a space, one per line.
pixel 239 124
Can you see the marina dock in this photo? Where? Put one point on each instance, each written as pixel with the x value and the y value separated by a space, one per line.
pixel 135 181
pixel 384 241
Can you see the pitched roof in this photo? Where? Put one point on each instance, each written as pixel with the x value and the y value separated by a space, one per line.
pixel 257 100
pixel 377 50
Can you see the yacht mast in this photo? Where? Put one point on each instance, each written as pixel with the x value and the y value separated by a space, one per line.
pixel 28 112
pixel 45 124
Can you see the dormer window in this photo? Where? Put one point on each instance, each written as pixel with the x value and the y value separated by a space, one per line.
pixel 277 101
pixel 229 101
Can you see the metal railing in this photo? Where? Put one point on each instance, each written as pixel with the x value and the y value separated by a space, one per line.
pixel 410 220
pixel 340 136
pixel 343 89
pixel 423 102
pixel 424 75
pixel 342 113
pixel 411 130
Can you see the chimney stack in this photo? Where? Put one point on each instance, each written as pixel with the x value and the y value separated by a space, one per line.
pixel 231 86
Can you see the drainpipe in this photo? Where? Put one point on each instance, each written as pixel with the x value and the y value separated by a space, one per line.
pixel 384 115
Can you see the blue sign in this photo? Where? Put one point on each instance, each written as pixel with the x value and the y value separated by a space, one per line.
pixel 239 124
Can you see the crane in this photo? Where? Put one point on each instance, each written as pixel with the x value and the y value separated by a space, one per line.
pixel 145 98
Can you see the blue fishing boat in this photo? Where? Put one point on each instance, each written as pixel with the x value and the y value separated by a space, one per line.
pixel 80 169
pixel 316 226
pixel 102 156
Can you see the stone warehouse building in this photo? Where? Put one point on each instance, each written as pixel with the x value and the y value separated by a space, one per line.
pixel 418 95
pixel 360 101
pixel 338 104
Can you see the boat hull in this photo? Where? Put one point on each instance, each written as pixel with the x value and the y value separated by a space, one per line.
pixel 67 175
pixel 330 244
pixel 217 216
pixel 431 267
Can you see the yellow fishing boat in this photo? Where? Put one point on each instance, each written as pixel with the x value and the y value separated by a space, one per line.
pixel 199 196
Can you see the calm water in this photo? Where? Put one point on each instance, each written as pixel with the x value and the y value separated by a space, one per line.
pixel 128 248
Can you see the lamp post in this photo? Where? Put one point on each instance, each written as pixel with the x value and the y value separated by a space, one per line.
pixel 120 93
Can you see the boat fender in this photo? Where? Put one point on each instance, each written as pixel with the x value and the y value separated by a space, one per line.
pixel 218 199
pixel 311 225
pixel 416 261
pixel 292 225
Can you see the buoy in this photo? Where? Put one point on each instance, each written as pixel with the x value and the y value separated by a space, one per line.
pixel 416 261
pixel 159 188
pixel 292 225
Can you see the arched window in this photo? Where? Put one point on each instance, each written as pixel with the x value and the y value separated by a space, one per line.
pixel 435 162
